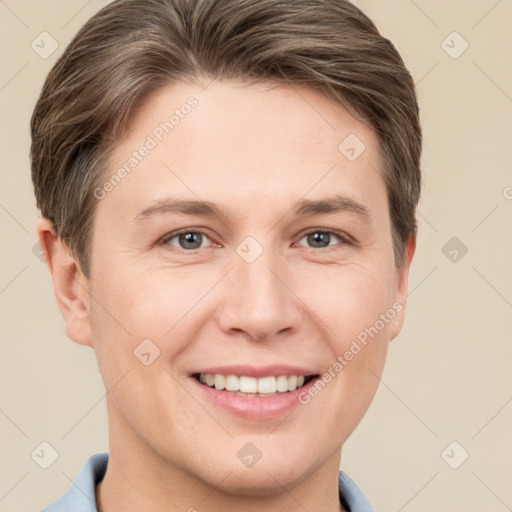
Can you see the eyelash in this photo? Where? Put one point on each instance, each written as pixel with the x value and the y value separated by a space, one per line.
pixel 343 237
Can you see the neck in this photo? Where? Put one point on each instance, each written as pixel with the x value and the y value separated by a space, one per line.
pixel 139 479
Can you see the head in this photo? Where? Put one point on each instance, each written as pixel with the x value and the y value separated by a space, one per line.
pixel 285 138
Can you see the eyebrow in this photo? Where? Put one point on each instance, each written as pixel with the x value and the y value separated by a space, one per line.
pixel 303 208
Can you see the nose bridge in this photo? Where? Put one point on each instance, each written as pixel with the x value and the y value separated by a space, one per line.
pixel 258 302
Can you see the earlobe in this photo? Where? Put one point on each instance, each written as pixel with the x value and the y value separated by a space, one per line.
pixel 70 286
pixel 402 287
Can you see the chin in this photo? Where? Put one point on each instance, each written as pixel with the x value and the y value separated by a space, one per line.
pixel 253 482
pixel 265 478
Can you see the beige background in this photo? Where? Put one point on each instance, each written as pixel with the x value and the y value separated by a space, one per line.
pixel 448 374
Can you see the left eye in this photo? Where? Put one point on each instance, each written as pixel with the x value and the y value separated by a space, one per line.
pixel 190 240
pixel 319 238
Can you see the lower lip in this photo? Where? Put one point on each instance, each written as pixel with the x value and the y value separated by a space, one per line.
pixel 266 407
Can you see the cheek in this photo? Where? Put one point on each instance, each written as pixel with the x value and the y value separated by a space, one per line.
pixel 358 308
pixel 349 299
pixel 151 302
pixel 355 305
pixel 144 312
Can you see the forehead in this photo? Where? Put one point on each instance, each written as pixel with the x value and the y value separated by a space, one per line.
pixel 231 142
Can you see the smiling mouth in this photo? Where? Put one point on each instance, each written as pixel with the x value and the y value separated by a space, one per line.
pixel 244 385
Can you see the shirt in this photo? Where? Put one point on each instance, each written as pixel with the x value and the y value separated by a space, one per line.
pixel 80 496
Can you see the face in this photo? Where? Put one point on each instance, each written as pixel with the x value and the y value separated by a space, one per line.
pixel 287 271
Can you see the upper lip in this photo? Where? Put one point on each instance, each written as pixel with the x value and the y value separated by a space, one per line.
pixel 257 371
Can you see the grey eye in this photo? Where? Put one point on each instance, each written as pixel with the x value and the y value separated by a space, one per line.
pixel 188 240
pixel 321 239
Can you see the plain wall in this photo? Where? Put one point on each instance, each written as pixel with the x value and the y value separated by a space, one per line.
pixel 448 374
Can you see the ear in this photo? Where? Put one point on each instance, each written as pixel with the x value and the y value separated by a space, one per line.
pixel 402 287
pixel 71 287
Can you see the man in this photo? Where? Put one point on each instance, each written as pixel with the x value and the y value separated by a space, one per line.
pixel 228 193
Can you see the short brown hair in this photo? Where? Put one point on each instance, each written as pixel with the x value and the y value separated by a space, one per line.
pixel 132 48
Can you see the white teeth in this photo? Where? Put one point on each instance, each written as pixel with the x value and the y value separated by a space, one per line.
pixel 292 382
pixel 282 383
pixel 244 384
pixel 267 385
pixel 232 383
pixel 220 381
pixel 248 384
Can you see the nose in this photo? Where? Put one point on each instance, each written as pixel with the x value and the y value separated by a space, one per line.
pixel 259 300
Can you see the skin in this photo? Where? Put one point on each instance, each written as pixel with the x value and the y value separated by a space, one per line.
pixel 255 150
